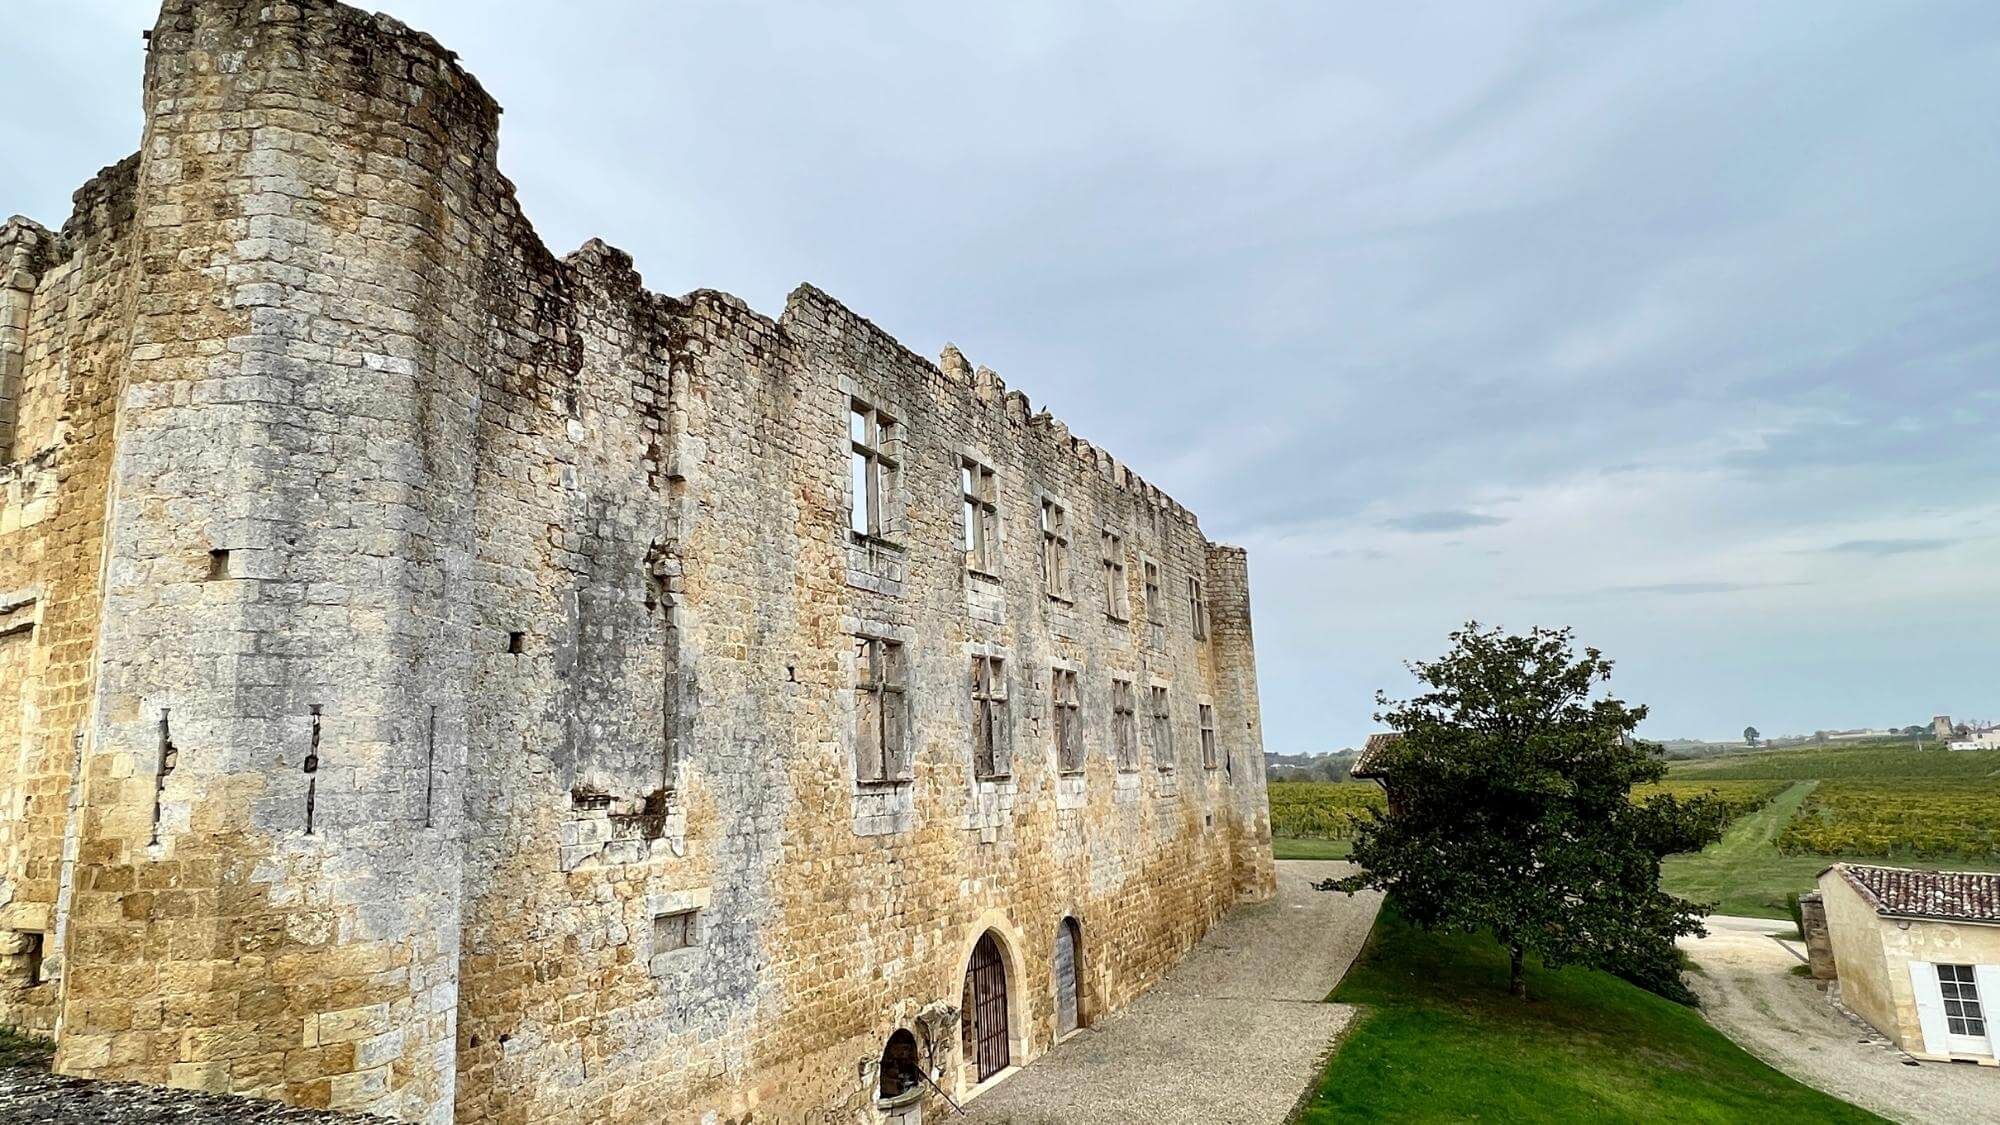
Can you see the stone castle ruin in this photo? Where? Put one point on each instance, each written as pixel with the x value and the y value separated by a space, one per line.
pixel 449 681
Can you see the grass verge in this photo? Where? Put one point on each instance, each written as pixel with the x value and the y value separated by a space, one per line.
pixel 21 1048
pixel 1440 1040
pixel 1282 848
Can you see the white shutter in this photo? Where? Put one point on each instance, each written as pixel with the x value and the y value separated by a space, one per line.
pixel 1930 1007
pixel 1988 977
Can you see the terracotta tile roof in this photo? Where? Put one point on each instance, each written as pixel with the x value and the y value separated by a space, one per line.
pixel 1957 896
pixel 1367 764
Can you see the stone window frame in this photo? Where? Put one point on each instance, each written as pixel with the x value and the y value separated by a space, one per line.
pixel 1160 724
pixel 1066 717
pixel 1125 724
pixel 1153 575
pixel 889 769
pixel 991 714
pixel 1197 608
pixel 1052 518
pixel 976 469
pixel 875 464
pixel 1211 753
pixel 1117 574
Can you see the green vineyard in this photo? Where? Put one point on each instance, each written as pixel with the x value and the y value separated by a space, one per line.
pixel 1330 810
pixel 1321 810
pixel 1738 797
pixel 1911 819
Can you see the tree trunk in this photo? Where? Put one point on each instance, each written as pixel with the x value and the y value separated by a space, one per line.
pixel 1517 986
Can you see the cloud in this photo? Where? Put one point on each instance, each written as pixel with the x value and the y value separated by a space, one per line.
pixel 1684 589
pixel 1436 522
pixel 1335 275
pixel 1884 547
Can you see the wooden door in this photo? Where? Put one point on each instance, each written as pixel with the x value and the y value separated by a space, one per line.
pixel 985 1024
pixel 1066 956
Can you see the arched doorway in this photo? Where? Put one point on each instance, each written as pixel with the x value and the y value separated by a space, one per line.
pixel 983 1014
pixel 1068 961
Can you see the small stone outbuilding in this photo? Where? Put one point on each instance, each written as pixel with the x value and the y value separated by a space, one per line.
pixel 1918 955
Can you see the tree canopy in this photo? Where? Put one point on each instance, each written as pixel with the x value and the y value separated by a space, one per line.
pixel 1510 811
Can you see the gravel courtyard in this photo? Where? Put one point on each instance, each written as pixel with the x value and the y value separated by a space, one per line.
pixel 1748 992
pixel 1234 1034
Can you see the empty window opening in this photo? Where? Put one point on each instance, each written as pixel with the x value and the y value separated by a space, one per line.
pixel 1117 597
pixel 1124 725
pixel 1069 726
pixel 982 517
pixel 218 564
pixel 679 929
pixel 517 643
pixel 1055 549
pixel 1163 730
pixel 991 748
pixel 871 469
pixel 1208 758
pixel 1198 609
pixel 902 1074
pixel 21 957
pixel 881 711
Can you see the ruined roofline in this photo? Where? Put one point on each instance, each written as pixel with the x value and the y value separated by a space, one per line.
pixel 600 261
pixel 597 259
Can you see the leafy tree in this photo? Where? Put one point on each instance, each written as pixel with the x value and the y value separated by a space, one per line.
pixel 1750 736
pixel 1510 811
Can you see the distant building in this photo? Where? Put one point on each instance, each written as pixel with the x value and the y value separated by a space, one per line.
pixel 1917 954
pixel 1988 739
pixel 1941 727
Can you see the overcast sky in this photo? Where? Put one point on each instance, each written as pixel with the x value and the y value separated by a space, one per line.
pixel 1678 323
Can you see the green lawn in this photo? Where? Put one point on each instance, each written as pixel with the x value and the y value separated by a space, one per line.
pixel 1440 1040
pixel 1743 873
pixel 1282 848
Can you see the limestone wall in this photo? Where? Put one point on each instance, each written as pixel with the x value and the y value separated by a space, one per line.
pixel 68 298
pixel 445 621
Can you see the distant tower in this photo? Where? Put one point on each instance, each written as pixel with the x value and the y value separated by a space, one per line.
pixel 1941 727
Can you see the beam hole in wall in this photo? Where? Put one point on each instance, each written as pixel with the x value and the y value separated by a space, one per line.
pixel 676 930
pixel 517 642
pixel 218 564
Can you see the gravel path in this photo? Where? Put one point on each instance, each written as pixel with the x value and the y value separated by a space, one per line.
pixel 1748 992
pixel 1232 1036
